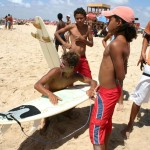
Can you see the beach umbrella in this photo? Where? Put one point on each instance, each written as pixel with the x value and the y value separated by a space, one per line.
pixel 101 19
pixel 91 16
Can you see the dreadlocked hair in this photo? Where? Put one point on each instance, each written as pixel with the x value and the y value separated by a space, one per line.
pixel 71 58
pixel 127 29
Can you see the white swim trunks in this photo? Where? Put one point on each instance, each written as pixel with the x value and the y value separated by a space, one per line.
pixel 141 93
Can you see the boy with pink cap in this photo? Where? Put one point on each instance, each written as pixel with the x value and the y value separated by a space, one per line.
pixel 112 72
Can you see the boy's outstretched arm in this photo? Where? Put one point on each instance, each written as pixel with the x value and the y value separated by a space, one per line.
pixel 58 37
pixel 89 41
pixel 91 82
pixel 142 59
pixel 40 86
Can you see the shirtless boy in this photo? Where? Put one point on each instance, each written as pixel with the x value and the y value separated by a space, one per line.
pixel 80 36
pixel 104 42
pixel 61 77
pixel 111 73
pixel 68 20
pixel 67 34
pixel 61 24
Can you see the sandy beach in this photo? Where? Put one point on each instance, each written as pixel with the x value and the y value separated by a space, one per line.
pixel 22 64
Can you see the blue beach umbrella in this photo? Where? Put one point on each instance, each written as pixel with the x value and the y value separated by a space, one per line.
pixel 102 19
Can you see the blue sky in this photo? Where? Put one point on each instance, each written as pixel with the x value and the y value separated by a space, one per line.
pixel 48 9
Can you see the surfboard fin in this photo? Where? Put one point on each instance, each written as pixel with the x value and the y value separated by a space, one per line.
pixel 46 39
pixel 35 126
pixel 35 35
pixel 36 25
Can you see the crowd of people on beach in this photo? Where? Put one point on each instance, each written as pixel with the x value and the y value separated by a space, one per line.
pixel 8 21
pixel 74 37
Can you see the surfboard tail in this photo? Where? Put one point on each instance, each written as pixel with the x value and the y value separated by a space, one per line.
pixel 35 126
pixel 46 43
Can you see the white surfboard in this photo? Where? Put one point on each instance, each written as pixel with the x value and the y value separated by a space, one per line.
pixel 46 42
pixel 42 107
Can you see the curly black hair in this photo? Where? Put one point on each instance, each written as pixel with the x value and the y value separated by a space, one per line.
pixel 126 29
pixel 80 11
pixel 71 58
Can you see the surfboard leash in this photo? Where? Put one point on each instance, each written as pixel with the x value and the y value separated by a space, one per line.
pixel 53 142
pixel 22 129
pixel 11 117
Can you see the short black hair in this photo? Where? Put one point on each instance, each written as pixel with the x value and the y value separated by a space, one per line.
pixel 71 58
pixel 60 16
pixel 80 11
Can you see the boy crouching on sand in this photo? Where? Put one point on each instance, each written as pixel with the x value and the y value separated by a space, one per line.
pixel 61 77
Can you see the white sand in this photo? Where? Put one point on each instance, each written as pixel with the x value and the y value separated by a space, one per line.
pixel 22 64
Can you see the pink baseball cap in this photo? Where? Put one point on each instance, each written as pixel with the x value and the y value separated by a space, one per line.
pixel 126 13
pixel 147 28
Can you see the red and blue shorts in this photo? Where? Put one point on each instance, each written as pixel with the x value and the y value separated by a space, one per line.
pixel 83 67
pixel 101 117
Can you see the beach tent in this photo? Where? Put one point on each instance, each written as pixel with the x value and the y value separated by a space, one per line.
pixel 97 8
pixel 101 19
pixel 94 11
pixel 91 16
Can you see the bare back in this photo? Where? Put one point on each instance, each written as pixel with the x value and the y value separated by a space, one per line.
pixel 113 63
pixel 58 81
pixel 61 24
